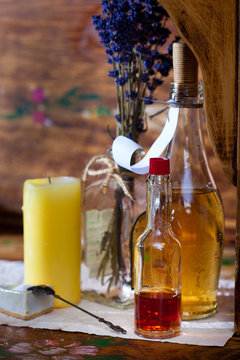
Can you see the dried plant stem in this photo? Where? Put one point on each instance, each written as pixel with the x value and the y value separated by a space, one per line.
pixel 112 243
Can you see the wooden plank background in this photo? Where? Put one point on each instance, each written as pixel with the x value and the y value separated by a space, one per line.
pixel 53 46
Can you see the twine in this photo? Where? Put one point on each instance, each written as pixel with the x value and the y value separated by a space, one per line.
pixel 111 170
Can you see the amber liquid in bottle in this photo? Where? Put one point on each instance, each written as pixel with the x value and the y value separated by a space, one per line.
pixel 198 224
pixel 197 217
pixel 157 311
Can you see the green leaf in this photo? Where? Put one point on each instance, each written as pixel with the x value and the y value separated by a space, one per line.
pixel 4 354
pixel 89 97
pixel 102 342
pixel 101 110
pixel 65 101
pixel 18 113
pixel 107 342
pixel 72 92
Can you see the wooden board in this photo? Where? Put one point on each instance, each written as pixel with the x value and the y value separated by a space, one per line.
pixel 209 28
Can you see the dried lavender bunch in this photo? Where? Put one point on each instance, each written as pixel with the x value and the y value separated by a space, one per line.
pixel 133 33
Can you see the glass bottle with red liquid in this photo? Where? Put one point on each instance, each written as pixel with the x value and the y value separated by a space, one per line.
pixel 157 261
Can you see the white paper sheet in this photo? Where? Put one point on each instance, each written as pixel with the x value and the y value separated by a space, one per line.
pixel 214 331
pixel 124 148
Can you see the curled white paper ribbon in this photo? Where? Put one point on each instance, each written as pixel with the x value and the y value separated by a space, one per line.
pixel 124 148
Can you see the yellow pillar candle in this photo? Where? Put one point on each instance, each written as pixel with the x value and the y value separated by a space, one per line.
pixel 51 217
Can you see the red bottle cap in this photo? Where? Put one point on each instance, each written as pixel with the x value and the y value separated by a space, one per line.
pixel 159 166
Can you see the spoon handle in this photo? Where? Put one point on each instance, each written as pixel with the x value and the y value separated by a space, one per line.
pixel 108 323
pixel 112 326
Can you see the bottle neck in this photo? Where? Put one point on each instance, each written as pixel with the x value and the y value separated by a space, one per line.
pixel 189 164
pixel 187 95
pixel 159 201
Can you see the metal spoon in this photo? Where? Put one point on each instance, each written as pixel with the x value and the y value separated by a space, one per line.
pixel 47 290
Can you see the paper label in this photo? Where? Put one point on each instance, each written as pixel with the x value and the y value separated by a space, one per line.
pixel 97 223
pixel 124 148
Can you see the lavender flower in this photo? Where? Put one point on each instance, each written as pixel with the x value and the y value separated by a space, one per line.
pixel 133 32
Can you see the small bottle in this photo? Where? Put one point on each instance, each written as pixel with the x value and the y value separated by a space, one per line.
pixel 107 217
pixel 157 261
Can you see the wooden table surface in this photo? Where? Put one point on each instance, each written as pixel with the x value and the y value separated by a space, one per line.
pixel 28 343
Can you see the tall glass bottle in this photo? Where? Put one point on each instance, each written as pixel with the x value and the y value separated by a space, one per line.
pixel 157 261
pixel 197 220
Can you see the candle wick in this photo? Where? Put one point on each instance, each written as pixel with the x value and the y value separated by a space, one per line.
pixel 49 180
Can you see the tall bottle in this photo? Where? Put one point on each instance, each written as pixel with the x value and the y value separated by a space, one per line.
pixel 197 220
pixel 157 262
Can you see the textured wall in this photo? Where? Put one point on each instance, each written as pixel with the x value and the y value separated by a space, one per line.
pixel 53 46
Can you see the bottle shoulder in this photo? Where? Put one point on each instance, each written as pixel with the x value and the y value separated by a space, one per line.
pixel 157 237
